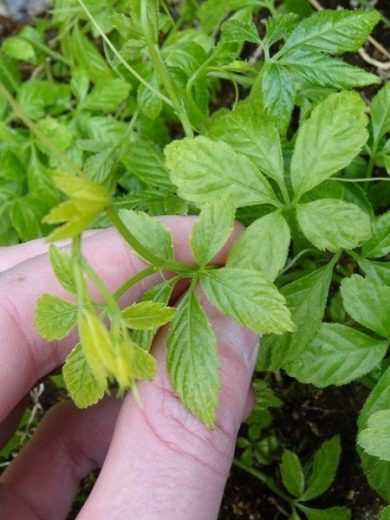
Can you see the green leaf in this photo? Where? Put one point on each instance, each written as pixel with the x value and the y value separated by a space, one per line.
pixel 323 470
pixel 145 365
pixel 306 298
pixel 54 317
pixel 249 130
pixel 88 57
pixel 376 471
pixel 150 233
pixel 379 244
pixel 98 167
pixel 280 26
pixel 333 224
pixel 368 303
pixel 212 12
pixel 328 141
pixel 18 48
pixel 79 380
pixel 337 356
pixel 36 97
pixel 205 170
pixel 212 230
pixel 61 263
pixel 379 271
pixel 380 113
pixel 333 513
pixel 147 315
pixel 263 246
pixel 247 297
pixel 375 438
pixel 236 31
pixel 25 221
pixel 278 92
pixel 385 514
pixel 79 83
pixel 292 473
pixel 193 362
pixel 107 95
pixel 149 103
pixel 334 32
pixel 324 71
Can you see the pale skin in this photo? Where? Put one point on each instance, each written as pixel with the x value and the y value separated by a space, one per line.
pixel 158 461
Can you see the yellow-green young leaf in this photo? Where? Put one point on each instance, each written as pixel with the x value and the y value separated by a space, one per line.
pixel 18 48
pixel 375 439
pixel 379 243
pixel 54 317
pixel 292 473
pixel 82 386
pixel 367 302
pixel 150 233
pixel 71 229
pixel 145 365
pixel 62 213
pixel 148 315
pixel 336 356
pixel 241 129
pixel 249 298
pixel 123 359
pixel 193 362
pixel 328 141
pixel 61 263
pixel 90 195
pixel 97 346
pixel 333 224
pixel 205 170
pixel 212 229
pixel 263 246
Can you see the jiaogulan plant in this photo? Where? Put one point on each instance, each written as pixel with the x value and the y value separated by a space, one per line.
pixel 116 111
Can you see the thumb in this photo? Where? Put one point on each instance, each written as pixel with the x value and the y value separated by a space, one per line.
pixel 163 462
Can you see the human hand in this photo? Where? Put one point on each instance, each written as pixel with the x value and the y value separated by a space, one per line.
pixel 158 461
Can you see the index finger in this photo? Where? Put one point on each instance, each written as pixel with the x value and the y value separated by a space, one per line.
pixel 24 356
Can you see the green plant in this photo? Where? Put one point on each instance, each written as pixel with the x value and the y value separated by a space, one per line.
pixel 299 158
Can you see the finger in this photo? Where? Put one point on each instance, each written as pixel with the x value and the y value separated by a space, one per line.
pixel 22 351
pixel 68 444
pixel 10 423
pixel 163 463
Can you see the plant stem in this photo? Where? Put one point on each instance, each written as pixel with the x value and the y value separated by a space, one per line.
pixel 4 92
pixel 133 280
pixel 370 179
pixel 265 479
pixel 100 285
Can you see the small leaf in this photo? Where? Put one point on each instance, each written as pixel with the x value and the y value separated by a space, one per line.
pixel 368 303
pixel 61 263
pixel 278 91
pixel 333 224
pixel 379 243
pixel 328 141
pixel 107 95
pixel 205 170
pixel 145 365
pixel 193 362
pixel 247 297
pixel 79 380
pixel 375 438
pixel 385 514
pixel 237 31
pixel 333 513
pixel 292 473
pixel 147 315
pixel 212 230
pixel 280 26
pixel 54 317
pixel 18 48
pixel 380 113
pixel 324 468
pixel 150 233
pixel 336 356
pixel 263 246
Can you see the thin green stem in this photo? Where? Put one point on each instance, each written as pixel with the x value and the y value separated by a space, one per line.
pixel 120 57
pixel 368 179
pixel 44 48
pixel 265 479
pixel 81 289
pixel 134 280
pixel 4 92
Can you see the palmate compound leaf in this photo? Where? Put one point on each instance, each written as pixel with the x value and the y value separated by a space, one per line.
pixel 251 131
pixel 212 229
pixel 375 438
pixel 193 362
pixel 54 317
pixel 204 170
pixel 336 356
pixel 246 296
pixel 333 32
pixel 332 224
pixel 328 141
pixel 377 471
pixel 292 473
pixel 306 298
pixel 263 246
pixel 367 302
pixel 82 386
